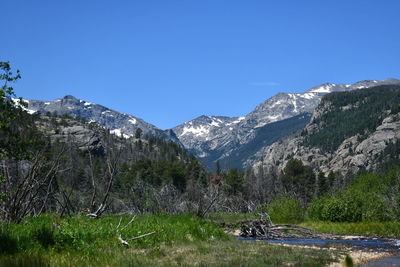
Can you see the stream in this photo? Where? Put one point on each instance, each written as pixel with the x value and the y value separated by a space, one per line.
pixel 361 244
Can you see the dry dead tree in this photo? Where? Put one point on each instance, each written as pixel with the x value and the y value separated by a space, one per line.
pixel 28 187
pixel 98 212
pixel 91 173
pixel 113 160
pixel 214 195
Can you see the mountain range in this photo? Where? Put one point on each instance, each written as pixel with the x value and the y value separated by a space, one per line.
pixel 219 138
pixel 233 141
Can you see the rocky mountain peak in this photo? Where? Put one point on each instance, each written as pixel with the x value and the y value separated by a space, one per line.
pixel 70 97
pixel 322 88
pixel 118 123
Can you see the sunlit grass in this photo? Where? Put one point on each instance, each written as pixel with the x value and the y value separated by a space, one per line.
pixel 212 253
pixel 378 229
pixel 180 240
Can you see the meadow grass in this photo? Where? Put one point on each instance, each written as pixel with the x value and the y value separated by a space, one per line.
pixel 372 229
pixel 180 240
pixel 230 217
pixel 200 253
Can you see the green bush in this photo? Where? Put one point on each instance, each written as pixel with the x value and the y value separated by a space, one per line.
pixel 336 208
pixel 284 210
pixel 262 208
pixel 366 199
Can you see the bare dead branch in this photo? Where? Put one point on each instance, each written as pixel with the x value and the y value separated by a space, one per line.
pixel 140 236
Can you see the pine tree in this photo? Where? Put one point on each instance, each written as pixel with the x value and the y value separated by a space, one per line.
pixel 218 168
pixel 323 185
pixel 138 133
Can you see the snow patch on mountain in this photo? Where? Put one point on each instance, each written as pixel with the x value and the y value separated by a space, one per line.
pixel 119 132
pixel 201 130
pixel 324 88
pixel 17 102
pixel 235 121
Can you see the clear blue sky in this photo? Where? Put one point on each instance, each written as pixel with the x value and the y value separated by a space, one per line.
pixel 170 61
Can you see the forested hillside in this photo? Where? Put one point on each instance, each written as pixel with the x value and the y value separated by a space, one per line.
pixel 347 114
pixel 80 166
pixel 348 132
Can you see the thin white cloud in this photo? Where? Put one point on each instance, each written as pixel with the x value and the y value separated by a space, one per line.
pixel 264 83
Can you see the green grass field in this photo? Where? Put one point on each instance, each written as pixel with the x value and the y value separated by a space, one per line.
pixel 180 240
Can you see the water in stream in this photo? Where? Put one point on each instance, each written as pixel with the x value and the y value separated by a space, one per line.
pixel 375 244
pixel 370 244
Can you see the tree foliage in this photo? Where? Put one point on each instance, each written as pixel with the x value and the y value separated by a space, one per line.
pixel 284 210
pixel 234 182
pixel 370 197
pixel 298 180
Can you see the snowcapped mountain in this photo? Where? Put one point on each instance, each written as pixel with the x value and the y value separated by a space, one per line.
pixel 118 123
pixel 199 134
pixel 215 138
pixel 212 138
pixel 286 105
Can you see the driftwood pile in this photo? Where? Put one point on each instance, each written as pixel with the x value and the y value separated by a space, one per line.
pixel 264 229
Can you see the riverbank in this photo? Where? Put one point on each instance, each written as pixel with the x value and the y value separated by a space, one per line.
pixel 359 255
pixel 380 242
pixel 368 229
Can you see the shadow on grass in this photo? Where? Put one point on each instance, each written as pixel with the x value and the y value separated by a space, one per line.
pixel 22 260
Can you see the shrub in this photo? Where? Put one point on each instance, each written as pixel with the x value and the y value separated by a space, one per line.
pixel 262 208
pixel 284 210
pixel 351 205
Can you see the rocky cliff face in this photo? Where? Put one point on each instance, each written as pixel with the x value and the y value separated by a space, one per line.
pixel 360 151
pixel 77 135
pixel 219 138
pixel 83 135
pixel 118 123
